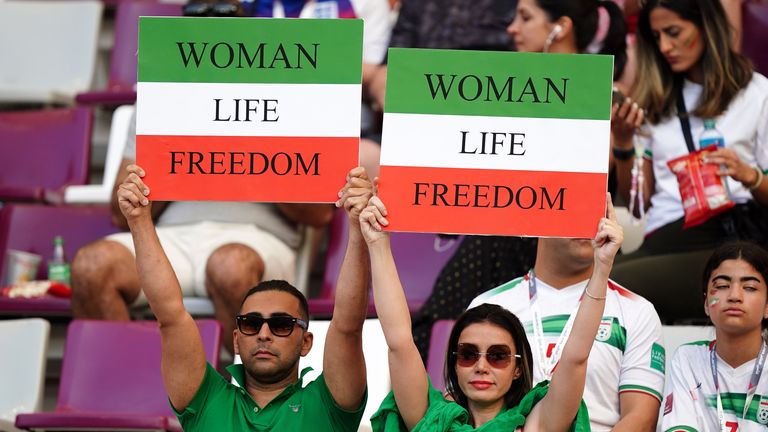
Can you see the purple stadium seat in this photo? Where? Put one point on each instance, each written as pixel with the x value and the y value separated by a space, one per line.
pixel 754 41
pixel 31 228
pixel 123 70
pixel 111 380
pixel 419 258
pixel 438 343
pixel 43 152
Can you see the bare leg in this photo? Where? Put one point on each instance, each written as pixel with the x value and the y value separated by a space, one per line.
pixel 231 271
pixel 104 281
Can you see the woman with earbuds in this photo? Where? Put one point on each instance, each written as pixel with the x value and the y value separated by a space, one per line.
pixel 579 26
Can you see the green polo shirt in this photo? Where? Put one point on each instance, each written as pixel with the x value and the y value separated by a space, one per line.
pixel 220 405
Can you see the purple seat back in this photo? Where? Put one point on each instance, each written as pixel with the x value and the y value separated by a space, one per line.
pixel 754 40
pixel 43 150
pixel 419 258
pixel 123 69
pixel 123 62
pixel 114 367
pixel 31 228
pixel 438 346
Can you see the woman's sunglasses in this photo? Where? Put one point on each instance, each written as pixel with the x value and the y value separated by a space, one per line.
pixel 498 356
pixel 281 326
pixel 204 9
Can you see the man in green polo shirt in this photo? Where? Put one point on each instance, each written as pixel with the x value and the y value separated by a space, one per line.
pixel 270 338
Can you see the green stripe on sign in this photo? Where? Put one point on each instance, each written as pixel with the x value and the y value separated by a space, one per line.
pixel 504 84
pixel 250 50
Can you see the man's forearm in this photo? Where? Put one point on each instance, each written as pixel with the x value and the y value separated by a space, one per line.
pixel 351 302
pixel 156 276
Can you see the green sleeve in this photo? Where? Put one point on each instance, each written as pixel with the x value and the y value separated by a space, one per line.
pixel 341 418
pixel 212 382
pixel 537 393
pixel 440 415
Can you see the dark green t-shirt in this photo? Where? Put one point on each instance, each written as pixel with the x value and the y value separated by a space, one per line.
pixel 221 406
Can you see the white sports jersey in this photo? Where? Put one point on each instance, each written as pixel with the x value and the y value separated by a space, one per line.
pixel 690 404
pixel 628 355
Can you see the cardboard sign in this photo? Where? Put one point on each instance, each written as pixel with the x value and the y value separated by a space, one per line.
pixel 496 142
pixel 247 109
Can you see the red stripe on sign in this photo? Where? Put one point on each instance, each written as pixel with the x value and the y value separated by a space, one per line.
pixel 276 169
pixel 502 202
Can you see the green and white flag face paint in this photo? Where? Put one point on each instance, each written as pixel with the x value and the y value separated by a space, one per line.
pixel 248 108
pixel 505 143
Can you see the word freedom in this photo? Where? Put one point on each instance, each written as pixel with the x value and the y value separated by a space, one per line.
pixel 224 55
pixel 487 196
pixel 243 163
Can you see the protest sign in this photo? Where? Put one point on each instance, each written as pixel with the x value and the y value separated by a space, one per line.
pixel 496 142
pixel 247 109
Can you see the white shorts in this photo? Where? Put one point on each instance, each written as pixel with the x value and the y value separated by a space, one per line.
pixel 189 246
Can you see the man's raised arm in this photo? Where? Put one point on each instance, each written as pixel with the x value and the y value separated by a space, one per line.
pixel 343 362
pixel 183 358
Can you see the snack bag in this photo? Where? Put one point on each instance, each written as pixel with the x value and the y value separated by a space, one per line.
pixel 702 190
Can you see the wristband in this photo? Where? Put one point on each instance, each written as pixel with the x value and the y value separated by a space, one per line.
pixel 623 155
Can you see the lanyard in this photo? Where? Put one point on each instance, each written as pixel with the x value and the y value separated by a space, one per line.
pixel 753 381
pixel 546 364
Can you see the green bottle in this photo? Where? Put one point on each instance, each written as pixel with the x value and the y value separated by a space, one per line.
pixel 58 267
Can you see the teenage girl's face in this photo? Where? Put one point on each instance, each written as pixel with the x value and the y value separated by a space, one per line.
pixel 737 297
pixel 680 41
pixel 530 27
pixel 483 383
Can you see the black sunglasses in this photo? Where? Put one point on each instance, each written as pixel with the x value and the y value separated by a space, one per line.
pixel 498 356
pixel 203 9
pixel 281 326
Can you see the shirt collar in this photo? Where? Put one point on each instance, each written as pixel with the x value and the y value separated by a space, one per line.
pixel 238 374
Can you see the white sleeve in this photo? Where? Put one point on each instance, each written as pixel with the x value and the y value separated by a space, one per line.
pixel 376 28
pixel 679 412
pixel 761 140
pixel 642 367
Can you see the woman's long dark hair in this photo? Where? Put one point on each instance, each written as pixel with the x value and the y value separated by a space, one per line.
pixel 496 315
pixel 585 17
pixel 748 252
pixel 726 72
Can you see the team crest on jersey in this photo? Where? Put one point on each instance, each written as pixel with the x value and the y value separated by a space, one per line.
pixel 604 331
pixel 762 410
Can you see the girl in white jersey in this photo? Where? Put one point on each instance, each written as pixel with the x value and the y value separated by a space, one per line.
pixel 688 74
pixel 720 385
pixel 488 365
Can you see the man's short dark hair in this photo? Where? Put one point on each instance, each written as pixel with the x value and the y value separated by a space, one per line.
pixel 282 286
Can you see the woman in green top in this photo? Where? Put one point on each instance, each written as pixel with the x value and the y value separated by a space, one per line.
pixel 488 367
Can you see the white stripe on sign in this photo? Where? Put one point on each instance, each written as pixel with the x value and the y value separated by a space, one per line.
pixel 295 110
pixel 454 141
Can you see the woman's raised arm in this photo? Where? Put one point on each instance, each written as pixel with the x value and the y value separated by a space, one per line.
pixel 407 373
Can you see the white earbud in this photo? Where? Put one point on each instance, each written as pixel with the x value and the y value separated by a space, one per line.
pixel 556 30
